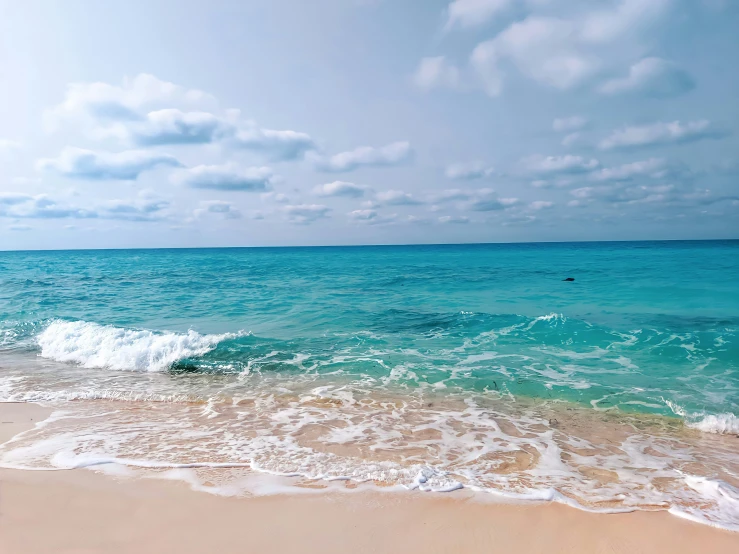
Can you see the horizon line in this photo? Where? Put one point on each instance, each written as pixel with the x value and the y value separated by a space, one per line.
pixel 373 245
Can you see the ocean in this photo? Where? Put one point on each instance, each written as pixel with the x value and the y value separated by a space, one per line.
pixel 431 368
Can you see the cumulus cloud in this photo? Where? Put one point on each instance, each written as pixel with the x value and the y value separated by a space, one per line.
pixel 25 206
pixel 660 195
pixel 569 124
pixel 218 207
pixel 436 72
pixel 453 195
pixel 570 139
pixel 471 13
pixel 7 145
pixel 146 111
pixel 103 101
pixel 393 154
pixel 476 200
pixel 540 205
pixel 660 133
pixel 654 167
pixel 341 188
pixel 459 219
pixel 142 209
pixel 87 164
pixel 397 198
pixel 562 52
pixel 277 145
pixel 225 177
pixel 171 126
pixel 553 165
pixel 653 77
pixel 486 200
pixel 469 171
pixel 278 197
pixel 304 214
pixel 371 217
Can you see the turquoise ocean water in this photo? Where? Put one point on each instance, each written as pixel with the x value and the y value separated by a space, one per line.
pixel 368 341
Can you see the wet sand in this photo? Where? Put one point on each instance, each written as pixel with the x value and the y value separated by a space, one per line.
pixel 81 511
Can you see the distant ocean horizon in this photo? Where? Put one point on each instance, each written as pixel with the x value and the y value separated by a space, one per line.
pixel 431 367
pixel 375 245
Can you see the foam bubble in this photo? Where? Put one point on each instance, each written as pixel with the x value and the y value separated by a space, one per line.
pixel 104 346
pixel 723 424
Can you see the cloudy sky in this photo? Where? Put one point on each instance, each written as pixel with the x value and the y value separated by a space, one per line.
pixel 168 123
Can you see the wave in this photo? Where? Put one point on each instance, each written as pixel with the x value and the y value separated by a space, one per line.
pixel 104 346
pixel 720 424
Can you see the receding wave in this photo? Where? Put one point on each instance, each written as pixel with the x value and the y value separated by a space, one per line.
pixel 104 346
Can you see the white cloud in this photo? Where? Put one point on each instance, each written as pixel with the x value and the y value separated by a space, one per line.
pixel 463 220
pixel 397 198
pixel 541 205
pixel 7 145
pixel 608 24
pixel 563 53
pixel 103 101
pixel 147 112
pixel 471 13
pixel 278 197
pixel 277 145
pixel 571 139
pixel 436 72
pixel 20 227
pixel 654 167
pixel 23 206
pixel 142 209
pixel 651 77
pixel 486 200
pixel 87 164
pixel 469 171
pixel 393 154
pixel 170 126
pixel 550 165
pixel 453 195
pixel 304 214
pixel 225 177
pixel 659 133
pixel 341 188
pixel 219 207
pixel 26 206
pixel 542 49
pixel 569 124
pixel 371 217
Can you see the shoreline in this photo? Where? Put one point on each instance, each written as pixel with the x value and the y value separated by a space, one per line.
pixel 45 511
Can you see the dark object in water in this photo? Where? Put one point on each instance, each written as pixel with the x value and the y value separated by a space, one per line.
pixel 569 279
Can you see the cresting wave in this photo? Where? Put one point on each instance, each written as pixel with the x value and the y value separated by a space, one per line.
pixel 104 346
pixel 721 424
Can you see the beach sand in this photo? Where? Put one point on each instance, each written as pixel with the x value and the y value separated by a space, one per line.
pixel 82 511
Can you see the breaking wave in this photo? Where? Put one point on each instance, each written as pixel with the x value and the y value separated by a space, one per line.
pixel 105 346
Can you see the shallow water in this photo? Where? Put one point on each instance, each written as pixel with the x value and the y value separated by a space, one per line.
pixel 432 367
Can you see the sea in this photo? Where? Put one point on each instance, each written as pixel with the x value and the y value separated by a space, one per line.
pixel 480 368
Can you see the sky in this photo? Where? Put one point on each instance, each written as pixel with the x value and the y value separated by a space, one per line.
pixel 189 123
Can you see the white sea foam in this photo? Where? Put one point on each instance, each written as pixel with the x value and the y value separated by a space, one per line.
pixel 723 498
pixel 104 346
pixel 723 424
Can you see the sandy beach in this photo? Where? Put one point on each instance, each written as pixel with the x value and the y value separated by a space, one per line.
pixel 82 511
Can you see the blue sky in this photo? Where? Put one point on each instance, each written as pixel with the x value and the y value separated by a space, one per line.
pixel 283 122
